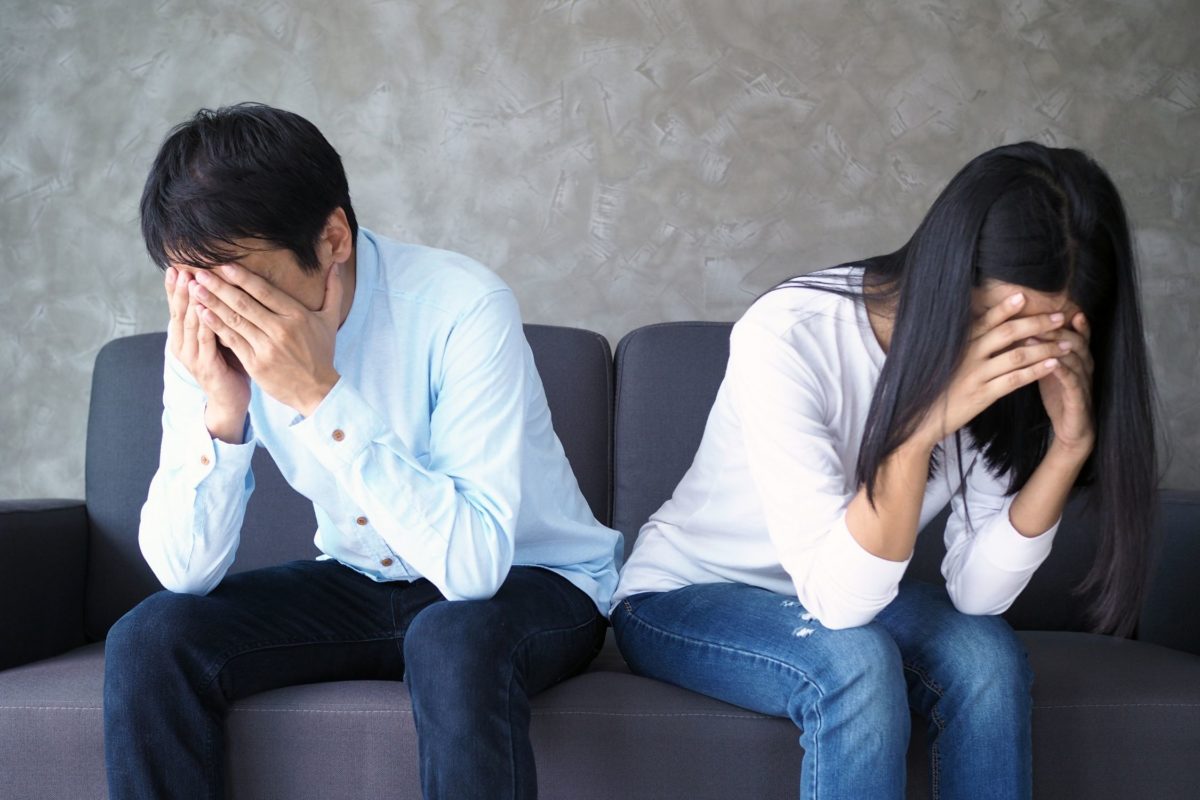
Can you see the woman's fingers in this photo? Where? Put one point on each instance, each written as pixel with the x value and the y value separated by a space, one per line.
pixel 1009 382
pixel 1028 353
pixel 997 314
pixel 1011 331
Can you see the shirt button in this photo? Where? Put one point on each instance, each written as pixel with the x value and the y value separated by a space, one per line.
pixel 338 435
pixel 204 461
pixel 387 562
pixel 361 520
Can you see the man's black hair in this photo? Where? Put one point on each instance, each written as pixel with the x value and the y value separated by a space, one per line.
pixel 247 171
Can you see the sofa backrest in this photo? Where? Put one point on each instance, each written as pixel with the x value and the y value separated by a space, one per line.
pixel 124 433
pixel 667 378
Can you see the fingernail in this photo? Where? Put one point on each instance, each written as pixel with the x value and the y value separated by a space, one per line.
pixel 1050 363
pixel 203 277
pixel 1056 317
pixel 1064 346
pixel 228 270
pixel 1016 300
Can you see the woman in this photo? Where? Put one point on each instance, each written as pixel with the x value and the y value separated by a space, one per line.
pixel 995 362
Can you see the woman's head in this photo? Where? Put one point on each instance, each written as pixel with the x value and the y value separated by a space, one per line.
pixel 1050 223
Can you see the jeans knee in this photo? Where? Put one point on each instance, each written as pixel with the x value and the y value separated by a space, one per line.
pixel 153 630
pixel 865 673
pixel 457 642
pixel 986 664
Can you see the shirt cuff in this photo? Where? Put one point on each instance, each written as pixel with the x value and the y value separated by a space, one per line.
pixel 1007 549
pixel 208 459
pixel 860 573
pixel 340 428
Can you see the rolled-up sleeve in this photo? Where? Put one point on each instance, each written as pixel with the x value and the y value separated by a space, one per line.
pixel 988 562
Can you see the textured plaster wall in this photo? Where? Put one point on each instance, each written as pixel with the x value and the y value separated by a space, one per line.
pixel 619 163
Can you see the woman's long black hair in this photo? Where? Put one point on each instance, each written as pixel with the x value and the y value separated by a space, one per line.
pixel 1050 220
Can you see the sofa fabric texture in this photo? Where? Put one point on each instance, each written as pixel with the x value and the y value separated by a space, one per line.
pixel 1112 718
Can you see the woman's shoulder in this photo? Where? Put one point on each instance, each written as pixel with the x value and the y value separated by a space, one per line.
pixel 810 304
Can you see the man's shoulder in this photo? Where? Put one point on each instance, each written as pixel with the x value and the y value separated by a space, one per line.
pixel 432 277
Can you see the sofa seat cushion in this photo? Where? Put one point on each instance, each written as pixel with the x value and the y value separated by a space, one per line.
pixel 1112 718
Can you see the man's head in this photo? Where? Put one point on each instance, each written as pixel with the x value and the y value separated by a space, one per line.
pixel 239 174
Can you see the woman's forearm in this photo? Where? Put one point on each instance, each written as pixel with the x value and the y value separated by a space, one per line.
pixel 889 528
pixel 1041 500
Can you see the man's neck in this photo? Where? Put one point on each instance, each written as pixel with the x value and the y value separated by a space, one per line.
pixel 349 278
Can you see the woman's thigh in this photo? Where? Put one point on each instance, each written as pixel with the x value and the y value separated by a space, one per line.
pixel 939 644
pixel 754 648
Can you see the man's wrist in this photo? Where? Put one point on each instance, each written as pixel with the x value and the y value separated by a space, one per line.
pixel 227 426
pixel 320 390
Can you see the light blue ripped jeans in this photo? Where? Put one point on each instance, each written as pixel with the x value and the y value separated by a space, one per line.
pixel 849 691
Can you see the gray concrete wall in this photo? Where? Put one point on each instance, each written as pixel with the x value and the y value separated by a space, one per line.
pixel 618 163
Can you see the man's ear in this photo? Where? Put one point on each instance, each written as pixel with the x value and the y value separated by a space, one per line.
pixel 337 242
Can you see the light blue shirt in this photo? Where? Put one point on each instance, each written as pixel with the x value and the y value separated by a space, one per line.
pixel 432 457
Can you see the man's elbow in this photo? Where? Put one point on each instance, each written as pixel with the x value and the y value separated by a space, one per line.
pixel 479 585
pixel 186 584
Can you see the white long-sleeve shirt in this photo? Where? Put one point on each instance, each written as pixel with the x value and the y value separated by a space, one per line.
pixel 433 456
pixel 764 502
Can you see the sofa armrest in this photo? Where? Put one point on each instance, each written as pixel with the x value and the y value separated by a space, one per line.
pixel 43 561
pixel 1171 613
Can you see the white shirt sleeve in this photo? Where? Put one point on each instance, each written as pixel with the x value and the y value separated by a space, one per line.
pixel 801 482
pixel 453 517
pixel 988 562
pixel 192 518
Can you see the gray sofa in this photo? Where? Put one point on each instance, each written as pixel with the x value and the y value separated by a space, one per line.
pixel 1113 718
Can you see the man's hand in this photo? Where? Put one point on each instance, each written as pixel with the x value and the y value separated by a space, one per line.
pixel 221 377
pixel 285 348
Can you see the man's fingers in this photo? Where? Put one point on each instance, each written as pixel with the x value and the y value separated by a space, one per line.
pixel 997 314
pixel 174 310
pixel 258 289
pixel 232 312
pixel 227 335
pixel 232 304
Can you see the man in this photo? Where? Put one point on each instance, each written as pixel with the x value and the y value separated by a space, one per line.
pixel 393 386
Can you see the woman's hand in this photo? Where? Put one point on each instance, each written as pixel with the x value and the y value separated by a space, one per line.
pixel 221 377
pixel 1067 391
pixel 1003 355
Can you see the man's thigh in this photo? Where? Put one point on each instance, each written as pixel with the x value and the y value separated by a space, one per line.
pixel 539 621
pixel 300 622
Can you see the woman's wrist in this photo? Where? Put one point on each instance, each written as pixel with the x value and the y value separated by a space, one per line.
pixel 1068 456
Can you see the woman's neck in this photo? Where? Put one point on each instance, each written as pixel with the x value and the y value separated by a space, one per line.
pixel 881 313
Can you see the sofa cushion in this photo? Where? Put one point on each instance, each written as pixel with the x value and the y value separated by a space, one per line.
pixel 1112 719
pixel 667 379
pixel 124 432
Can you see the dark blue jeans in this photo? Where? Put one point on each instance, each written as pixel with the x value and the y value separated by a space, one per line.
pixel 850 691
pixel 176 662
